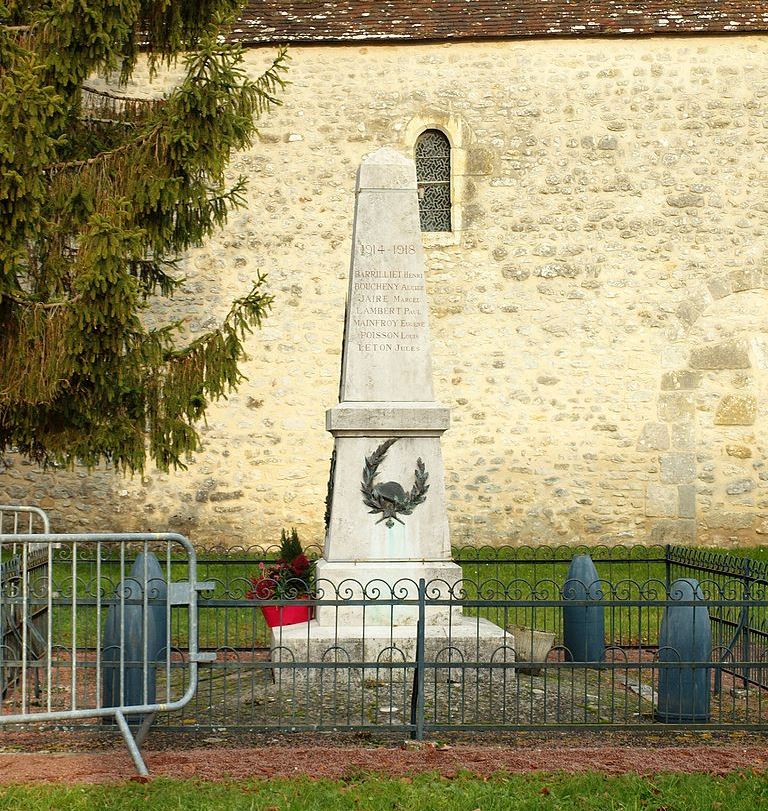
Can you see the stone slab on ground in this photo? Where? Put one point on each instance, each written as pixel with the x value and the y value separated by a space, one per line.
pixel 465 639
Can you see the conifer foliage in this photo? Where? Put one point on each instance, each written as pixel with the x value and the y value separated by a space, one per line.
pixel 100 195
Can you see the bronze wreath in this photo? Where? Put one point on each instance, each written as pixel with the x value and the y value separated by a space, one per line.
pixel 390 498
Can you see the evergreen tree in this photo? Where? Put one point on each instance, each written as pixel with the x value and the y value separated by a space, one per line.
pixel 99 197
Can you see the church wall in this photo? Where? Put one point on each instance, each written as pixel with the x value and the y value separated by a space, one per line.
pixel 611 225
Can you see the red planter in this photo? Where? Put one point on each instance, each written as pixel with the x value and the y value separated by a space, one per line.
pixel 277 615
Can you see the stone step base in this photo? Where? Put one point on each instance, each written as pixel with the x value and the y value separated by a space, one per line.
pixel 469 639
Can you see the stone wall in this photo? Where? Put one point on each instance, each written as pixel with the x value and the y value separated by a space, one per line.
pixel 597 316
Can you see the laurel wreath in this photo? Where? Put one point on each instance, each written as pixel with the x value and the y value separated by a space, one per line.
pixel 389 508
pixel 329 491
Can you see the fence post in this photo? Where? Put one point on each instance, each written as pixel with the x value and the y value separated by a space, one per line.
pixel 417 696
pixel 746 619
pixel 667 567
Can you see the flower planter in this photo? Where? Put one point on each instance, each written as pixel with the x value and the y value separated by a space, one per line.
pixel 277 615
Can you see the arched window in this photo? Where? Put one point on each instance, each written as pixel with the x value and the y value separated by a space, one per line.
pixel 433 174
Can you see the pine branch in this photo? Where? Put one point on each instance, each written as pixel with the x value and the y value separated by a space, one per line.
pixel 25 301
pixel 103 157
pixel 115 121
pixel 245 314
pixel 119 97
pixel 272 80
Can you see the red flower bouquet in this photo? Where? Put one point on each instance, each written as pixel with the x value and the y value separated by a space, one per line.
pixel 288 578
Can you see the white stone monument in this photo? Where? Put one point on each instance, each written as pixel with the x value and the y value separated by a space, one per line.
pixel 388 523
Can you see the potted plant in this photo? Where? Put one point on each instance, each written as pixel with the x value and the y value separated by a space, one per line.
pixel 288 578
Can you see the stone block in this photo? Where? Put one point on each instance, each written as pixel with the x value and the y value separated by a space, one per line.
pixel 677 468
pixel 473 639
pixel 701 299
pixel 746 279
pixel 688 312
pixel 654 437
pixel 513 272
pixel 740 486
pixel 682 436
pixel 686 501
pixel 661 501
pixel 681 380
pixel 680 530
pixel 722 355
pixel 554 270
pixel 729 521
pixel 676 406
pixel 736 409
pixel 720 287
pixel 480 161
pixel 739 451
pixel 685 200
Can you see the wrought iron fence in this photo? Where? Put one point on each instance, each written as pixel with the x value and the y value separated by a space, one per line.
pixel 398 674
pixel 740 630
pixel 404 679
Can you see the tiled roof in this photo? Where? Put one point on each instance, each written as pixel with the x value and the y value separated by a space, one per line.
pixel 277 21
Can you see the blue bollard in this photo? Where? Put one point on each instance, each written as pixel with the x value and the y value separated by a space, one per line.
pixel 685 636
pixel 583 625
pixel 133 638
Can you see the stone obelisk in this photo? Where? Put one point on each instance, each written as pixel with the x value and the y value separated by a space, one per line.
pixel 388 523
pixel 388 518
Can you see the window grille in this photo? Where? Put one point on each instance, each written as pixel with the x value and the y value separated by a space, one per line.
pixel 433 174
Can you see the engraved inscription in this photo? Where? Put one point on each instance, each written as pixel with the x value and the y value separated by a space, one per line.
pixel 387 313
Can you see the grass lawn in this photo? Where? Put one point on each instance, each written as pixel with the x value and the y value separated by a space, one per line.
pixel 736 792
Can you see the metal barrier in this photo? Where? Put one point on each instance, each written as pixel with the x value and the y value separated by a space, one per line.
pixel 15 519
pixel 98 656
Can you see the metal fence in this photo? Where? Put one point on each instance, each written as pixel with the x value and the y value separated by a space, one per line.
pixel 395 672
pixel 104 652
pixel 740 624
pixel 258 682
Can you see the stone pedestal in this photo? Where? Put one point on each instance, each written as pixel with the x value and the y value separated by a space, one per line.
pixel 450 644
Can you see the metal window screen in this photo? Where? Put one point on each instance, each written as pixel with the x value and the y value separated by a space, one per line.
pixel 433 173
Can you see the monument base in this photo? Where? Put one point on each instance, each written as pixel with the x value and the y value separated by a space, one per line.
pixel 388 652
pixel 378 581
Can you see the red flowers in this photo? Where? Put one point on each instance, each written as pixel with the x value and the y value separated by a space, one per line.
pixel 282 580
pixel 289 577
pixel 300 565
